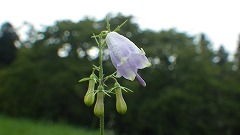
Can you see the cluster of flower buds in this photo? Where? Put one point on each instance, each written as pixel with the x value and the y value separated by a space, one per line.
pixel 89 97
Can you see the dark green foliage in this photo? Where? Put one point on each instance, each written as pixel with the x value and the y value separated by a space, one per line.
pixel 7 48
pixel 190 88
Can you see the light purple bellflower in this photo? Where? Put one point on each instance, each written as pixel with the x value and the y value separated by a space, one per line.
pixel 126 57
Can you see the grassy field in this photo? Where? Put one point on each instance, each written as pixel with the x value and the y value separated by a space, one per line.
pixel 13 126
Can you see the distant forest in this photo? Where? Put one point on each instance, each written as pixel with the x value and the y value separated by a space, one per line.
pixel 191 89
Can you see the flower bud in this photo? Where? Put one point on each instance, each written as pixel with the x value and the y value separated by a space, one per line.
pixel 89 97
pixel 121 105
pixel 99 106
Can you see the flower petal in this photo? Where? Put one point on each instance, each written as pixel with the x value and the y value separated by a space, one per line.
pixel 139 61
pixel 116 41
pixel 118 75
pixel 127 70
pixel 117 44
pixel 114 60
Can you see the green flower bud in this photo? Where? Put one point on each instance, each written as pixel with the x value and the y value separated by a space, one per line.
pixel 89 97
pixel 121 105
pixel 99 106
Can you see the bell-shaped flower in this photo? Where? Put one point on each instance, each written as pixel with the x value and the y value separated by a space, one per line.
pixel 126 57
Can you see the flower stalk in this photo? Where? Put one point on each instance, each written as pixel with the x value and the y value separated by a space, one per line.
pixel 127 58
pixel 100 95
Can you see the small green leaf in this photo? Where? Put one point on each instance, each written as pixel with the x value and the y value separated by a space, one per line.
pixel 126 89
pixel 110 90
pixel 85 79
pixel 108 24
pixel 119 26
pixel 95 37
pixel 106 93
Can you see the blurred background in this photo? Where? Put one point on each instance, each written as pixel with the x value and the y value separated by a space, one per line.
pixel 192 86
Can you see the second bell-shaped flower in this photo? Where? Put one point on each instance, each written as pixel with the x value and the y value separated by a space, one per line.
pixel 126 57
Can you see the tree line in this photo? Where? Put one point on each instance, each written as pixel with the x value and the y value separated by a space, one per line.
pixel 191 88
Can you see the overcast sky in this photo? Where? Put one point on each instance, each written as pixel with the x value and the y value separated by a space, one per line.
pixel 219 19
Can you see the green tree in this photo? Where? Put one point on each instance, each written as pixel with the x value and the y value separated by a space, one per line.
pixel 7 48
pixel 237 53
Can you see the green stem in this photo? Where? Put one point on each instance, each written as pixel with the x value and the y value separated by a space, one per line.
pixel 100 63
pixel 101 82
pixel 102 125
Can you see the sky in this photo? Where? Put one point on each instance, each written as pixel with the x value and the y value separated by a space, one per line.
pixel 218 19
